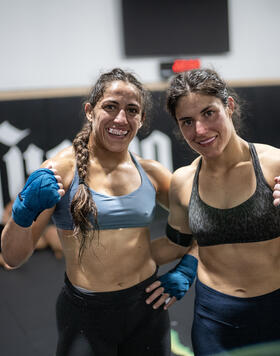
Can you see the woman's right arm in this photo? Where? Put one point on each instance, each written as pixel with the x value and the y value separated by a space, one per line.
pixel 18 243
pixel 34 206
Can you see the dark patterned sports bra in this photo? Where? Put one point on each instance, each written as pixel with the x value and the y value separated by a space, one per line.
pixel 256 219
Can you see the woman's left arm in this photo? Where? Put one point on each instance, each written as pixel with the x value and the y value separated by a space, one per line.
pixel 178 243
pixel 160 178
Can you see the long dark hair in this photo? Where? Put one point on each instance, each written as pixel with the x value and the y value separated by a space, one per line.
pixel 82 204
pixel 206 82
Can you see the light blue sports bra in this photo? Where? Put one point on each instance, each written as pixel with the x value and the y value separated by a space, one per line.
pixel 135 209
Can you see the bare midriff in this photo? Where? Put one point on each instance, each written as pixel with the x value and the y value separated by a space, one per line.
pixel 113 260
pixel 241 269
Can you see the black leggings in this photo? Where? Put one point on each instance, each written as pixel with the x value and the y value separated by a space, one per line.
pixel 116 323
pixel 223 322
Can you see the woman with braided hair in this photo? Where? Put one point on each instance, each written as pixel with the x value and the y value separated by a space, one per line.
pixel 102 199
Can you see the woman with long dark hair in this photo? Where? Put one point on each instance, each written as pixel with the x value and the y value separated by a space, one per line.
pixel 102 199
pixel 224 200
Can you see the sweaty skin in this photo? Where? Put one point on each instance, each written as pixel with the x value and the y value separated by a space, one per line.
pixel 239 269
pixel 115 120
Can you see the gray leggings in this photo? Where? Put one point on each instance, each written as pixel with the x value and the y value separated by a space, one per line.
pixel 116 323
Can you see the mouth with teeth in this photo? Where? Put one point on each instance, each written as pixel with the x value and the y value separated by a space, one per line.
pixel 117 132
pixel 207 141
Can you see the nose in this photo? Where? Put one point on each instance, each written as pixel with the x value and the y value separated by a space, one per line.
pixel 121 117
pixel 200 128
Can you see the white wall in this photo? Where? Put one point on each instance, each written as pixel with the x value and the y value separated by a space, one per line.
pixel 65 43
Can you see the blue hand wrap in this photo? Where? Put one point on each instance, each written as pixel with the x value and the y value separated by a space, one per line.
pixel 179 280
pixel 39 193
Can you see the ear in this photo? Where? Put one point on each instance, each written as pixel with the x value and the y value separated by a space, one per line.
pixel 143 118
pixel 230 105
pixel 89 111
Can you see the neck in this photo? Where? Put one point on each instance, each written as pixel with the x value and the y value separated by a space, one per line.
pixel 106 158
pixel 235 152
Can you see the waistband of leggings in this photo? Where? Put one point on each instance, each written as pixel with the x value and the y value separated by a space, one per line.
pixel 135 291
pixel 204 291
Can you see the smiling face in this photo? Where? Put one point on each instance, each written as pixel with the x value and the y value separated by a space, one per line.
pixel 205 123
pixel 116 117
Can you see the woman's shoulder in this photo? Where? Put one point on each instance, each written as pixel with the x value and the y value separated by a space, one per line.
pixel 267 152
pixel 153 167
pixel 263 147
pixel 159 175
pixel 269 157
pixel 64 163
pixel 186 172
pixel 182 183
pixel 158 171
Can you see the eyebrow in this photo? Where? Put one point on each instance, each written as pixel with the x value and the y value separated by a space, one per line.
pixel 138 105
pixel 201 112
pixel 110 101
pixel 116 102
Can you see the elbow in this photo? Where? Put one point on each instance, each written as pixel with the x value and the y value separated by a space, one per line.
pixel 9 261
pixel 3 261
pixel 5 264
pixel 16 246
